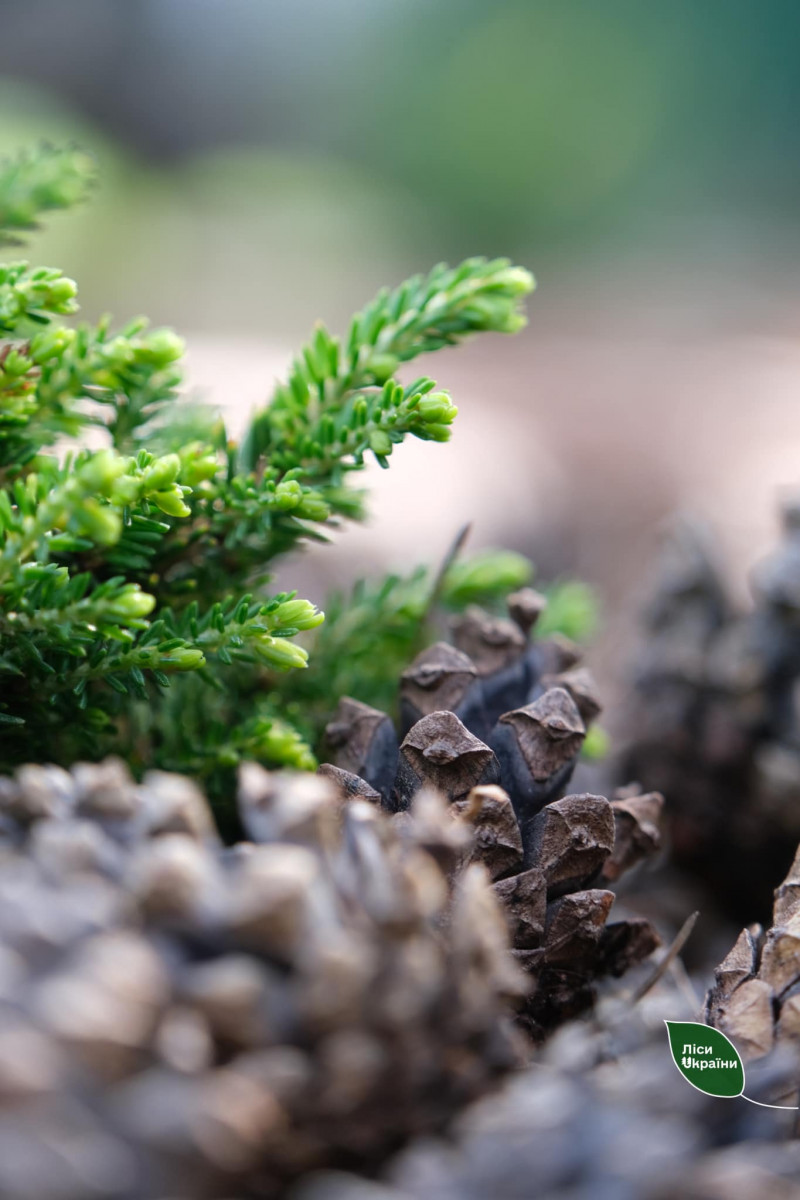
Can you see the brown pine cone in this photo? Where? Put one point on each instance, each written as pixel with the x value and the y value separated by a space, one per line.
pixel 178 1018
pixel 755 999
pixel 556 898
pixel 497 733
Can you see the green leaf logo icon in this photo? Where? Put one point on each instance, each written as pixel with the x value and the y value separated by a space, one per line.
pixel 705 1057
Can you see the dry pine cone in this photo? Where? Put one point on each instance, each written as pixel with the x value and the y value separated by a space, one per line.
pixel 603 1113
pixel 756 995
pixel 178 1018
pixel 495 725
pixel 716 725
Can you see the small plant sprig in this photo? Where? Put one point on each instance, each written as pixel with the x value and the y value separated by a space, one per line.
pixel 133 611
pixel 373 632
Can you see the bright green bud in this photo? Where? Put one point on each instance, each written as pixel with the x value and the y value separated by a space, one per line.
pixel 62 293
pixel 314 508
pixel 125 490
pixel 183 658
pixel 298 614
pixel 495 313
pixel 281 654
pixel 288 495
pixel 15 364
pixel 171 503
pixel 162 347
pixel 437 408
pixel 380 442
pixel 101 470
pixel 282 745
pixel 104 378
pixel 516 281
pixel 512 322
pixel 132 603
pixel 100 523
pixel 227 757
pixel 118 352
pixel 435 433
pixel 197 466
pixel 49 342
pixel 162 473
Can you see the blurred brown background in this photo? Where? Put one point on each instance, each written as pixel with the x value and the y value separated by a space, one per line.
pixel 265 164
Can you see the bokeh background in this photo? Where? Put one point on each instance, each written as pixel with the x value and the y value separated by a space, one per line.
pixel 269 162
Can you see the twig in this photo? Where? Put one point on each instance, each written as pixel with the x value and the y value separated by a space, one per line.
pixel 450 557
pixel 673 952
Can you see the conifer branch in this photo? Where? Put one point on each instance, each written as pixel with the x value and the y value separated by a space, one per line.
pixel 133 616
pixel 39 181
pixel 339 402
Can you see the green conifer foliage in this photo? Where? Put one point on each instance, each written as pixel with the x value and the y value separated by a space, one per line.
pixel 134 611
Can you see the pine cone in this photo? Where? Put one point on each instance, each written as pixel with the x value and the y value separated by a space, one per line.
pixel 716 726
pixel 603 1113
pixel 181 1018
pixel 495 725
pixel 755 999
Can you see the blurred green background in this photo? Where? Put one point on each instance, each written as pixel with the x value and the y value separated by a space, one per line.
pixel 269 162
pixel 263 159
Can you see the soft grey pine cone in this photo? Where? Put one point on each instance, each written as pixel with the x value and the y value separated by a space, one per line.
pixel 602 1115
pixel 716 721
pixel 178 1019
